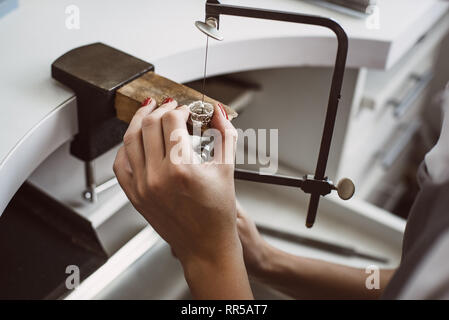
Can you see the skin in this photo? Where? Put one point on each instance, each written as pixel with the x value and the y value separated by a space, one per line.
pixel 193 207
pixel 300 277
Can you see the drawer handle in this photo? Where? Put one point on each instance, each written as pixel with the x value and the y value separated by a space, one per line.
pixel 392 155
pixel 401 107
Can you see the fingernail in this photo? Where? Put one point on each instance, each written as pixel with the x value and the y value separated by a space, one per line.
pixel 146 102
pixel 223 111
pixel 167 100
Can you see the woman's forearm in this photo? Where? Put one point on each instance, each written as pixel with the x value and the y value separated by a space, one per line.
pixel 306 278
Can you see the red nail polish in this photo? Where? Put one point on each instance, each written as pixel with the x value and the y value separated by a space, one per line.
pixel 167 100
pixel 223 111
pixel 146 102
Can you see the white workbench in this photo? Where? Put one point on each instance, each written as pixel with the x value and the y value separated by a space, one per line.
pixel 37 115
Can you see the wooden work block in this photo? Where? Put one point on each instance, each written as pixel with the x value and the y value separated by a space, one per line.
pixel 129 98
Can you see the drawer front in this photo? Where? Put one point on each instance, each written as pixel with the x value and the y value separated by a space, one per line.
pixel 388 164
pixel 384 101
pixel 372 136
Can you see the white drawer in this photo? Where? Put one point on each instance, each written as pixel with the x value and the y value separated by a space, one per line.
pixel 371 137
pixel 382 177
pixel 382 85
pixel 388 100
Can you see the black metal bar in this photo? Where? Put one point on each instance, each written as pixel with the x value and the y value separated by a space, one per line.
pixel 265 178
pixel 312 210
pixel 215 9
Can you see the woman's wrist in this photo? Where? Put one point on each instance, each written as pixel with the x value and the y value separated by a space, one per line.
pixel 221 254
pixel 267 263
pixel 221 276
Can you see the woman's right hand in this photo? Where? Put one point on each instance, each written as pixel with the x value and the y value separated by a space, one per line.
pixel 256 251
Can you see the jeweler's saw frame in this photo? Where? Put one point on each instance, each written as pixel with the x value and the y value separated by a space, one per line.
pixel 318 184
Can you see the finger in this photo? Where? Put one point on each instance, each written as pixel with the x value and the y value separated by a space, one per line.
pixel 121 170
pixel 240 211
pixel 132 141
pixel 175 130
pixel 150 103
pixel 152 134
pixel 229 135
pixel 173 253
pixel 166 105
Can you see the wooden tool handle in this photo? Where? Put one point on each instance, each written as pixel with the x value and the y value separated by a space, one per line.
pixel 129 98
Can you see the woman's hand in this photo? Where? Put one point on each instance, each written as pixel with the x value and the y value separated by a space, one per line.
pixel 300 277
pixel 256 251
pixel 190 204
